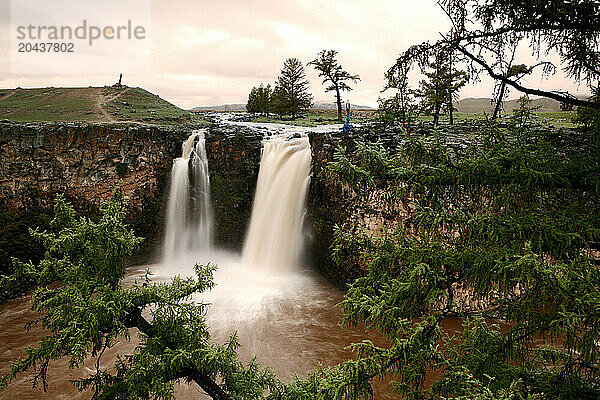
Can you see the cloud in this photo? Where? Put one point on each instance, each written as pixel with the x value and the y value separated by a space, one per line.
pixel 210 52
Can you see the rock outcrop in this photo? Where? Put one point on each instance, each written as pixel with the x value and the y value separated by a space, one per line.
pixel 86 162
pixel 233 161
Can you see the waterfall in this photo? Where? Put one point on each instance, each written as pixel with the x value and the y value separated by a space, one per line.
pixel 274 237
pixel 189 216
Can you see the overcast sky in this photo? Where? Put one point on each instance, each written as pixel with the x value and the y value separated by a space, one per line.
pixel 213 52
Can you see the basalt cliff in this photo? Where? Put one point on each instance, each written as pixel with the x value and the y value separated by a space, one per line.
pixel 87 161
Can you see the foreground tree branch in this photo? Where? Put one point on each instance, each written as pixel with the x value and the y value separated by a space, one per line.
pixel 568 99
pixel 89 310
pixel 136 320
pixel 486 32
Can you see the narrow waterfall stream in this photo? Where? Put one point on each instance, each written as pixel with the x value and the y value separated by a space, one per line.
pixel 189 215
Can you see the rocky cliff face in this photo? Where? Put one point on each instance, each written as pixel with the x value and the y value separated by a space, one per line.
pixel 233 161
pixel 86 162
pixel 331 202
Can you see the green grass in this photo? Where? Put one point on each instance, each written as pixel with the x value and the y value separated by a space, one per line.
pixel 458 117
pixel 559 119
pixel 317 117
pixel 140 105
pixel 92 104
pixel 48 104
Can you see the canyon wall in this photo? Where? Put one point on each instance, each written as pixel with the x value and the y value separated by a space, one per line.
pixel 87 161
pixel 84 161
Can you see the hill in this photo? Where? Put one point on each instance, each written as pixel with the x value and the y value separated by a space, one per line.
pixel 333 106
pixel 480 105
pixel 242 107
pixel 107 104
pixel 222 107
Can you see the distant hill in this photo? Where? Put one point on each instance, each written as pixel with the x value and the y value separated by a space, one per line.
pixel 333 106
pixel 90 104
pixel 242 107
pixel 222 107
pixel 480 105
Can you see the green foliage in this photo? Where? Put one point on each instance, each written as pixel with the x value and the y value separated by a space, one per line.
pixel 82 249
pixel 291 96
pixel 15 240
pixel 259 100
pixel 402 105
pixel 397 108
pixel 440 89
pixel 590 117
pixel 332 73
pixel 521 119
pixel 505 223
pixel 88 310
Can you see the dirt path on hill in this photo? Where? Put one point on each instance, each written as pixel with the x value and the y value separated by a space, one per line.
pixel 106 99
pixel 6 96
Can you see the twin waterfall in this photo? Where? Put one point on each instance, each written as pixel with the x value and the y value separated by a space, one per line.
pixel 274 238
pixel 189 214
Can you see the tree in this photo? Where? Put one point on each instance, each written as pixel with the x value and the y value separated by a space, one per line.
pixel 396 108
pixel 441 88
pixel 259 100
pixel 499 234
pixel 486 32
pixel 291 94
pixel 332 72
pixel 279 104
pixel 402 103
pixel 264 99
pixel 88 310
pixel 252 104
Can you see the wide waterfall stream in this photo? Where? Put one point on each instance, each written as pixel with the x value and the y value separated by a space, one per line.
pixel 284 313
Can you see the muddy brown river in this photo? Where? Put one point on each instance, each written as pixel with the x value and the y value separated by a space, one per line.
pixel 289 322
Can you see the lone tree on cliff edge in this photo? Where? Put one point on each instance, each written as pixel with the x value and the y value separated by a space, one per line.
pixel 332 72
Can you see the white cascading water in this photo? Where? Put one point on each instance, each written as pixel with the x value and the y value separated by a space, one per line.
pixel 274 237
pixel 189 216
pixel 283 313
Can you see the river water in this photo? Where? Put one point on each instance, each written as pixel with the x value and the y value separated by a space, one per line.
pixel 289 322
